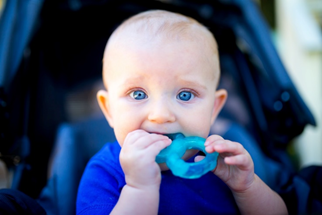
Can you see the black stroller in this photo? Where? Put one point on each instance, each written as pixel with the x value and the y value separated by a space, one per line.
pixel 51 48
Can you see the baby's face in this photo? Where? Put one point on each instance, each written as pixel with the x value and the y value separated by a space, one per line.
pixel 162 88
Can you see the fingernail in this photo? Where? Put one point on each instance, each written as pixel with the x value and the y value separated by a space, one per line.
pixel 207 143
pixel 207 148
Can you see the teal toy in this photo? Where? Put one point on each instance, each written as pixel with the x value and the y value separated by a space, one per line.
pixel 173 153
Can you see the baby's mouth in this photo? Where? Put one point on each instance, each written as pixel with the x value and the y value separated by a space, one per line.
pixel 174 136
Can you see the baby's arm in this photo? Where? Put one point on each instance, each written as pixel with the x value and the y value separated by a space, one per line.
pixel 140 195
pixel 236 168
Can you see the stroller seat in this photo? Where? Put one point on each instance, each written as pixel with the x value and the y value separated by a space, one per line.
pixel 74 146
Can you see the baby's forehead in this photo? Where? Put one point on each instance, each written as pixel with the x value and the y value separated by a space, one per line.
pixel 163 25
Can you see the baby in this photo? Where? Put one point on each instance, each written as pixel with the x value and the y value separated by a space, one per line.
pixel 161 71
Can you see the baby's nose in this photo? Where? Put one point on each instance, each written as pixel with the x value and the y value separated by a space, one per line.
pixel 161 112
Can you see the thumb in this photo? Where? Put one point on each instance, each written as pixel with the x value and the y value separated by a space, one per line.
pixel 199 158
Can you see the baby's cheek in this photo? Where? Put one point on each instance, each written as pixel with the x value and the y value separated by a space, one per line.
pixel 198 126
pixel 120 136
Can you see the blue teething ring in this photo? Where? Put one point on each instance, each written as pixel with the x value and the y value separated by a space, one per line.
pixel 172 157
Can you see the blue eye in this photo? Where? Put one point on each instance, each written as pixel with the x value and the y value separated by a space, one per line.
pixel 138 95
pixel 185 96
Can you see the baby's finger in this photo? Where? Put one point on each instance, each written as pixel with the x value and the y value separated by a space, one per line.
pixel 212 139
pixel 142 139
pixel 151 139
pixel 226 146
pixel 155 148
pixel 133 136
pixel 199 158
pixel 242 161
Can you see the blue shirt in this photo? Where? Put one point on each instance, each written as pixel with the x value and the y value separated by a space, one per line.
pixel 103 180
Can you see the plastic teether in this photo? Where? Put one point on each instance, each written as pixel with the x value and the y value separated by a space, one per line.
pixel 172 157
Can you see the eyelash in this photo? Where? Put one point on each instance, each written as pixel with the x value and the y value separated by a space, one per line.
pixel 191 91
pixel 194 93
pixel 129 92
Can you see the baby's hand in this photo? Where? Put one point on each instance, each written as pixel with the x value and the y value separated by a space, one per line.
pixel 137 158
pixel 235 166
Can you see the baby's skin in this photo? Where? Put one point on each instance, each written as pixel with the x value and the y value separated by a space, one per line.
pixel 161 72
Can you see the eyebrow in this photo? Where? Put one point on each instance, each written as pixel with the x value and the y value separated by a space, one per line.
pixel 192 84
pixel 132 80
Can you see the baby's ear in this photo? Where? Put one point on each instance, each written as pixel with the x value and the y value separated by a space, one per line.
pixel 221 96
pixel 103 101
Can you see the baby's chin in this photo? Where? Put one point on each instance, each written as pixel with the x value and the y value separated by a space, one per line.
pixel 189 153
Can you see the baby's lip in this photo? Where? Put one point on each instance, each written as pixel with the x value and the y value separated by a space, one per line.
pixel 174 135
